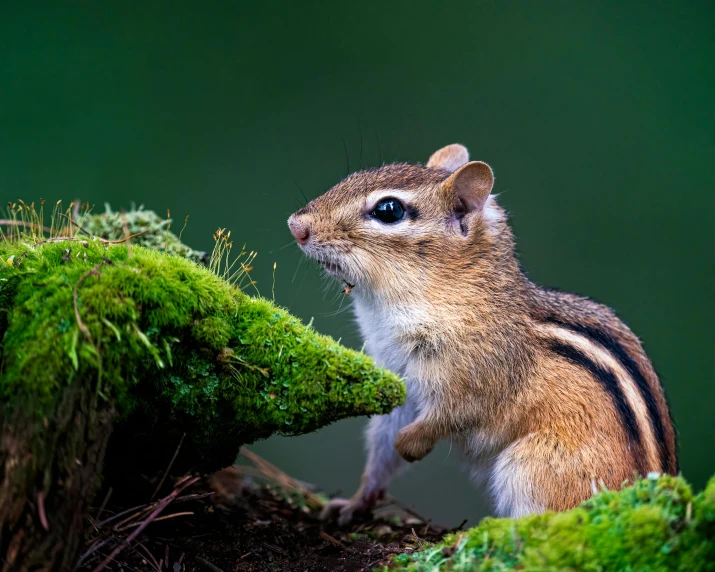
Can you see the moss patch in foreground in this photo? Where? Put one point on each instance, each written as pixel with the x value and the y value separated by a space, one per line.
pixel 657 524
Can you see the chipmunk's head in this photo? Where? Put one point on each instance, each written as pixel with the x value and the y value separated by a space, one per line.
pixel 404 226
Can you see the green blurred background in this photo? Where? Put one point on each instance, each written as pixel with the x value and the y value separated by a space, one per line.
pixel 596 117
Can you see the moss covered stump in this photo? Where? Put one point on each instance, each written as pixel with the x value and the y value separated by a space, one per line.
pixel 657 524
pixel 112 356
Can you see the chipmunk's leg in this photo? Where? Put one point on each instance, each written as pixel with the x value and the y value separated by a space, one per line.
pixel 383 463
pixel 552 471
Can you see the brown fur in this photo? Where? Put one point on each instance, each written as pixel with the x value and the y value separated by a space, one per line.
pixel 480 336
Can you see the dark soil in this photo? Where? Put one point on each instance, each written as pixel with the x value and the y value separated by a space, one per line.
pixel 234 522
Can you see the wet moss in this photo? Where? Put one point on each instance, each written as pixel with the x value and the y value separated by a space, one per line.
pixel 656 524
pixel 173 343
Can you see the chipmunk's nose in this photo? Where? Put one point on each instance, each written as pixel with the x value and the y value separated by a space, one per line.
pixel 300 229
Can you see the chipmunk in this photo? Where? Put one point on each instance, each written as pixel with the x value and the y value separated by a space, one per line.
pixel 548 393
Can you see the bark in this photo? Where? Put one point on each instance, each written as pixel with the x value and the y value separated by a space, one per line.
pixel 49 473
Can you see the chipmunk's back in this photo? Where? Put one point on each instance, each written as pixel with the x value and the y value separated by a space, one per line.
pixel 572 318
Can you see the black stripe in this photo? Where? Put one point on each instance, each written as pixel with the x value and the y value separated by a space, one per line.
pixel 610 384
pixel 612 345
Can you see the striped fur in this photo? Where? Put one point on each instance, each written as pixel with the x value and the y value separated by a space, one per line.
pixel 656 415
pixel 546 392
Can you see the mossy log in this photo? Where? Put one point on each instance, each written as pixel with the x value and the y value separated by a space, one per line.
pixel 112 356
pixel 657 524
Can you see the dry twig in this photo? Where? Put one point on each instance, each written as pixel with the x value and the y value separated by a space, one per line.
pixel 449 551
pixel 276 475
pixel 325 536
pixel 160 506
pixel 119 515
pixel 168 468
pixel 92 549
pixel 154 562
pixel 165 517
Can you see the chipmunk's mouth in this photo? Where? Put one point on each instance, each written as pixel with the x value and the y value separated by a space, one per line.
pixel 339 272
pixel 333 268
pixel 331 261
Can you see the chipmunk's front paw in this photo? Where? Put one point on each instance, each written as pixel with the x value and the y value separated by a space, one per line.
pixel 412 444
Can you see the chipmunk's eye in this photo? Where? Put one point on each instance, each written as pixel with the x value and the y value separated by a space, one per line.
pixel 388 211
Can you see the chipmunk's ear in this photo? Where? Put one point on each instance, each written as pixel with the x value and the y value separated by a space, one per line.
pixel 472 184
pixel 449 158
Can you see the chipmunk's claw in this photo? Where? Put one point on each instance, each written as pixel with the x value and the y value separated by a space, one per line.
pixel 344 510
pixel 341 510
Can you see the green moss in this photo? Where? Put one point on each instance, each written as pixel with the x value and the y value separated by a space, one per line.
pixel 212 332
pixel 657 524
pixel 111 225
pixel 173 345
